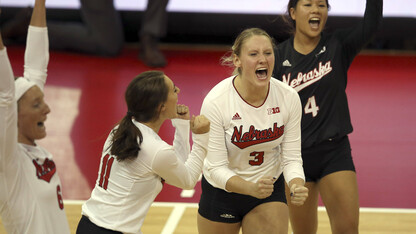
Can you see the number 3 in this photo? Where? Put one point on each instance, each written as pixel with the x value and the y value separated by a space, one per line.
pixel 258 158
pixel 311 107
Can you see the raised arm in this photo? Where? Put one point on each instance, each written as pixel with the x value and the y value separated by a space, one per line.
pixel 6 76
pixel 8 115
pixel 37 46
pixel 356 38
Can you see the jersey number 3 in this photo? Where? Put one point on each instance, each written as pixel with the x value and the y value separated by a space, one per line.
pixel 311 107
pixel 105 171
pixel 258 158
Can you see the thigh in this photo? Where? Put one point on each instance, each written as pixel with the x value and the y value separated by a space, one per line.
pixel 304 219
pixel 206 226
pixel 339 192
pixel 267 218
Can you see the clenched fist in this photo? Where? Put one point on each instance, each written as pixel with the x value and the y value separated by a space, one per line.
pixel 182 112
pixel 199 124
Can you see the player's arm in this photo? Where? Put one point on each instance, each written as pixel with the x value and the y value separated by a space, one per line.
pixel 8 115
pixel 355 39
pixel 37 46
pixel 263 188
pixel 182 127
pixel 291 152
pixel 216 163
pixel 168 165
pixel 6 76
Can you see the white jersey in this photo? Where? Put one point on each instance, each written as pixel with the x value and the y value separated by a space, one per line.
pixel 124 191
pixel 30 189
pixel 252 142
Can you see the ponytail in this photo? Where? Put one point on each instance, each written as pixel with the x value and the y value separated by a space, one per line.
pixel 124 142
pixel 143 96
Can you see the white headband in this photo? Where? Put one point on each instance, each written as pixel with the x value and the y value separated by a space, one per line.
pixel 22 85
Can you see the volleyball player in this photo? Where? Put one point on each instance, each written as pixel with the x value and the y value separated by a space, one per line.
pixel 136 162
pixel 316 64
pixel 255 136
pixel 30 188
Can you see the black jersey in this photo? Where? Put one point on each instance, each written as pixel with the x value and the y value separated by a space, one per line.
pixel 320 77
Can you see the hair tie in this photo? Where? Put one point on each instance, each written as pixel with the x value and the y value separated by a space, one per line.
pixel 130 114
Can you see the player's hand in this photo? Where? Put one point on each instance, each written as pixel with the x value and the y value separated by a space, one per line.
pixel 182 112
pixel 298 194
pixel 263 187
pixel 199 124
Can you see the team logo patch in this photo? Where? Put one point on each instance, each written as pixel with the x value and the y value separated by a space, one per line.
pixel 273 110
pixel 236 117
pixel 46 170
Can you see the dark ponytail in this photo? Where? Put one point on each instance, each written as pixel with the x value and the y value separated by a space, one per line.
pixel 143 96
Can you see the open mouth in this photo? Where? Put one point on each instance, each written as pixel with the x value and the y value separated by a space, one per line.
pixel 41 124
pixel 261 73
pixel 314 23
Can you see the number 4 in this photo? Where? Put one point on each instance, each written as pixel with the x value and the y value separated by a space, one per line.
pixel 311 107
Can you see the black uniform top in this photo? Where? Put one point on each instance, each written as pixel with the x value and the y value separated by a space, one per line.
pixel 320 77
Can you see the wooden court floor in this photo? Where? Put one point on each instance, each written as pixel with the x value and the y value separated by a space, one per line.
pixel 180 218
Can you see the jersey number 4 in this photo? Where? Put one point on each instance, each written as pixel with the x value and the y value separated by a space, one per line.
pixel 105 171
pixel 311 107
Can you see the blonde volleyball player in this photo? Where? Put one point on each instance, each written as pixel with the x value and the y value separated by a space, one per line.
pixel 135 160
pixel 30 188
pixel 254 140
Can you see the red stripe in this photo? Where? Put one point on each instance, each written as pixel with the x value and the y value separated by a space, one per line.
pixel 107 173
pixel 103 166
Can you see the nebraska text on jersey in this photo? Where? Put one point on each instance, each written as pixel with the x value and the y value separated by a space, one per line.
pixel 254 136
pixel 306 79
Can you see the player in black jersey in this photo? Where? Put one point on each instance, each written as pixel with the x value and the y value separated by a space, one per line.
pixel 315 63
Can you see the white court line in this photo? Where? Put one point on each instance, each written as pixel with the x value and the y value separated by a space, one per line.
pixel 174 219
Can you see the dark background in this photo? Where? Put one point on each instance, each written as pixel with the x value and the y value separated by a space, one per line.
pixel 212 28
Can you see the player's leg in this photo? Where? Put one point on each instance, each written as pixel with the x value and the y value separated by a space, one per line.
pixel 154 27
pixel 304 219
pixel 339 192
pixel 218 210
pixel 100 33
pixel 267 218
pixel 206 226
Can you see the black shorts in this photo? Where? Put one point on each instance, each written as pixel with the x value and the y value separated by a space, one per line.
pixel 327 157
pixel 221 206
pixel 85 226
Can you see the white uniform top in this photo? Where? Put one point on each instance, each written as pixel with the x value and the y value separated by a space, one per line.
pixel 30 188
pixel 249 141
pixel 124 191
